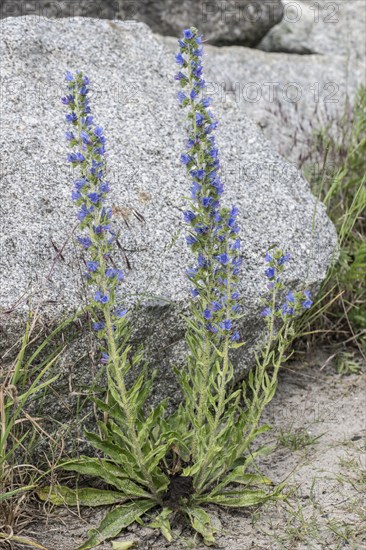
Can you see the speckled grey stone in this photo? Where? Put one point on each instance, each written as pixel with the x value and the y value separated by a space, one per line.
pixel 134 98
pixel 289 96
pixel 221 22
pixel 326 28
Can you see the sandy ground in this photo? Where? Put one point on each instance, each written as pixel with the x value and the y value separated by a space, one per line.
pixel 319 426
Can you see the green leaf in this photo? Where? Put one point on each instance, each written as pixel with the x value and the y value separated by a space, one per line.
pixel 92 466
pixel 239 499
pixel 201 522
pixel 115 521
pixel 106 446
pixel 238 475
pixel 124 545
pixel 113 475
pixel 22 541
pixel 86 496
pixel 237 345
pixel 162 522
pixel 9 494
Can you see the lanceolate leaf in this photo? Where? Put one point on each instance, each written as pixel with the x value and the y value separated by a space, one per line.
pixel 9 494
pixel 126 545
pixel 87 496
pixel 238 476
pixel 115 521
pixel 106 471
pixel 162 522
pixel 201 522
pixel 239 499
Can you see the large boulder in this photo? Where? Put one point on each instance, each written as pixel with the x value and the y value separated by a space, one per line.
pixel 289 96
pixel 305 82
pixel 134 98
pixel 325 28
pixel 229 22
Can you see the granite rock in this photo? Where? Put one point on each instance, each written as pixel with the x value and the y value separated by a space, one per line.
pixel 222 22
pixel 134 99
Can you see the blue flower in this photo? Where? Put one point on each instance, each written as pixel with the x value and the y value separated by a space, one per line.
pixel 112 273
pixel 71 117
pixel 206 201
pixel 179 76
pixel 216 306
pixel 235 336
pixel 121 313
pixel 75 157
pixel 223 258
pixel 105 358
pixel 84 212
pixel 88 121
pixel 85 138
pixel 266 312
pixel 202 262
pixel 66 100
pixel 307 304
pixel 188 216
pixel 185 159
pixel 69 76
pixel 104 187
pixel 100 297
pixel 290 297
pixel 179 59
pixel 94 197
pixel 76 195
pixel 270 272
pixel 181 97
pixel 211 328
pixel 85 242
pixel 69 136
pixel 98 325
pixel 194 292
pixel 196 188
pixel 92 266
pixel 226 324
pixel 236 245
pixel 188 34
pixel 98 131
pixel 207 314
pixel 191 272
pixel 79 184
pixel 284 259
pixel 190 240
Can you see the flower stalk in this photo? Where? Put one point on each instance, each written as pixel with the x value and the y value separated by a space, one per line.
pixel 87 143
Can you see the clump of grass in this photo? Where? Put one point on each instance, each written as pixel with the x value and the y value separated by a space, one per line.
pixel 340 185
pixel 23 380
pixel 347 363
pixel 296 439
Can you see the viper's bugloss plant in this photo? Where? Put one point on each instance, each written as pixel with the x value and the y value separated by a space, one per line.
pixel 203 452
pixel 220 425
pixel 129 439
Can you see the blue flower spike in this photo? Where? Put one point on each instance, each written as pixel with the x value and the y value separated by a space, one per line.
pixel 212 229
pixel 86 142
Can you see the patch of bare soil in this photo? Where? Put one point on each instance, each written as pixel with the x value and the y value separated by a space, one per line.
pixel 319 429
